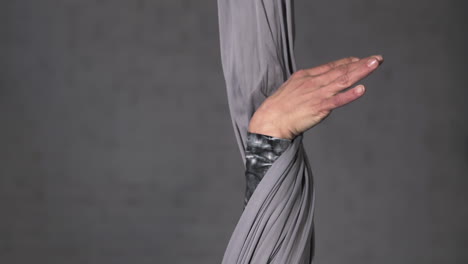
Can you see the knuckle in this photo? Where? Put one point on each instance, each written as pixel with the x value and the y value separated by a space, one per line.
pixel 337 101
pixel 324 108
pixel 343 79
pixel 324 113
pixel 343 69
pixel 300 73
pixel 310 81
pixel 330 65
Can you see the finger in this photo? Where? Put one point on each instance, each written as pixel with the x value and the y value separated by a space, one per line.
pixel 352 74
pixel 341 72
pixel 343 98
pixel 329 66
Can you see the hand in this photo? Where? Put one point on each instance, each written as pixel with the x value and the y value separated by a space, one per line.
pixel 310 95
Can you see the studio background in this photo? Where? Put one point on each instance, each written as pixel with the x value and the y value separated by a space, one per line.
pixel 116 143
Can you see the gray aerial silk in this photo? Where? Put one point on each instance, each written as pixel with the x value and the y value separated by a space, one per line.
pixel 276 226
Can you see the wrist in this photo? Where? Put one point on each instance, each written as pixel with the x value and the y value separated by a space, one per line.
pixel 269 130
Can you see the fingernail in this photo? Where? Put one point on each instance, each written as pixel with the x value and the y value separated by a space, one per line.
pixel 354 59
pixel 372 62
pixel 360 89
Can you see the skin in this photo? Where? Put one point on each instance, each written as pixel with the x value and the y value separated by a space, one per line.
pixel 310 95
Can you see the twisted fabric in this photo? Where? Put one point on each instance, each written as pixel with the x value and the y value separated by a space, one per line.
pixel 276 226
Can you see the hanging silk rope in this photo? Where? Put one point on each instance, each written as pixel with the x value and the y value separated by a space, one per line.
pixel 276 226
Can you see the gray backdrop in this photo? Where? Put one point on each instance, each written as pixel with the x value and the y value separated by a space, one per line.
pixel 116 142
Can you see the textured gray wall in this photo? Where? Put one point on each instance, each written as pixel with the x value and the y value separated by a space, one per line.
pixel 116 142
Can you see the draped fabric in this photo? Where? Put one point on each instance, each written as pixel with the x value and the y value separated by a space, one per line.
pixel 276 226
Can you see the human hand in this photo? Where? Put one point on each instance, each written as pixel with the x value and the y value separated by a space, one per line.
pixel 310 95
